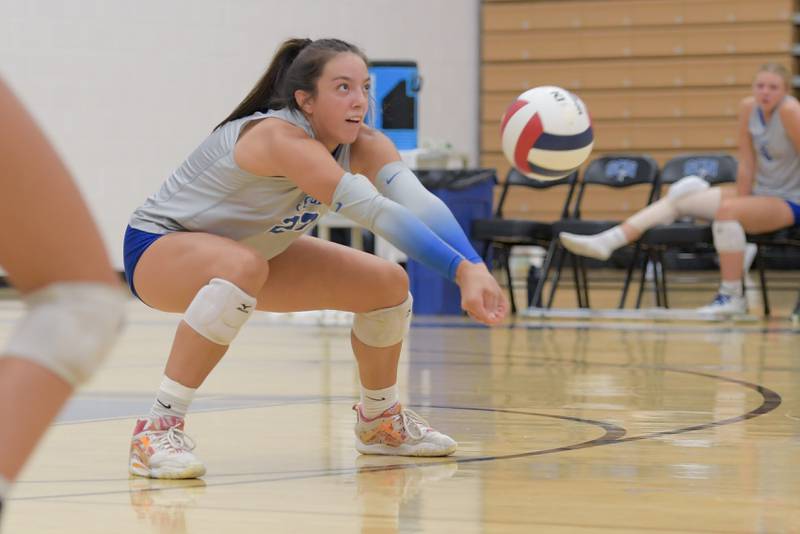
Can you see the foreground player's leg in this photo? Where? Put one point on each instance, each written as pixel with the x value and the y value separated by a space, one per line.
pixel 383 426
pixel 159 447
pixel 377 292
pixel 54 255
pixel 184 272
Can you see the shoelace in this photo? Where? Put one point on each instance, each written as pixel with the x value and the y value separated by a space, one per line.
pixel 721 299
pixel 176 440
pixel 414 423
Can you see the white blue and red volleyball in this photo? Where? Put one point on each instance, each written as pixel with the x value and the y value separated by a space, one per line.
pixel 547 133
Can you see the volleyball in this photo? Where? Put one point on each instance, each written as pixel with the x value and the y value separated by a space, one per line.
pixel 547 133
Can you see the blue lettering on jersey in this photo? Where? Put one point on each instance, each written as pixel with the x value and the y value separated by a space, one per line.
pixel 308 201
pixel 765 152
pixel 300 222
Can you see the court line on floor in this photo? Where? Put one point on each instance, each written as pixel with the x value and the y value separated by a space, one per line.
pixel 613 433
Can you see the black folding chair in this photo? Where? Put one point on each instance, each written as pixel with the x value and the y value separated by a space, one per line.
pixel 501 235
pixel 787 237
pixel 616 171
pixel 687 235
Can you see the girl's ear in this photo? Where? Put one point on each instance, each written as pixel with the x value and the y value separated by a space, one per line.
pixel 303 100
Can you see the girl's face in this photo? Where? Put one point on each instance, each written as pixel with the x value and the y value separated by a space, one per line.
pixel 337 110
pixel 768 90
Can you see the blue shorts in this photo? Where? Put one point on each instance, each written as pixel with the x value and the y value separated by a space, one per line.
pixel 134 245
pixel 796 211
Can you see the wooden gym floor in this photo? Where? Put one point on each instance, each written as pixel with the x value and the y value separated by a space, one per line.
pixel 564 426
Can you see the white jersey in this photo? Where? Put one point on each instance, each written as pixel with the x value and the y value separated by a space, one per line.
pixel 210 193
pixel 777 161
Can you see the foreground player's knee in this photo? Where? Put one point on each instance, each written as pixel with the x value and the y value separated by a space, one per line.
pixel 69 328
pixel 384 327
pixel 219 310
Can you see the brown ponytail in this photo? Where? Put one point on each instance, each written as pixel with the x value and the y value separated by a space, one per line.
pixel 297 65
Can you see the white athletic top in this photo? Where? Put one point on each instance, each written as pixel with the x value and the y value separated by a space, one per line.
pixel 210 193
pixel 777 161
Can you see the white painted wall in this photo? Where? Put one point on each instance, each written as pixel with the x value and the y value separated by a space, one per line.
pixel 125 90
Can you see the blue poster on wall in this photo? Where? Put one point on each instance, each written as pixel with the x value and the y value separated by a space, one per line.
pixel 395 86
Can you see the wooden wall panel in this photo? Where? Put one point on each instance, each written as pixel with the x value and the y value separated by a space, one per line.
pixel 626 73
pixel 499 16
pixel 544 45
pixel 661 77
pixel 686 134
pixel 639 104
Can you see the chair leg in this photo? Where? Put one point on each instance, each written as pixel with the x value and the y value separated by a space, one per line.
pixel 663 274
pixel 584 281
pixel 576 277
pixel 656 279
pixel 507 267
pixel 560 252
pixel 629 275
pixel 548 261
pixel 763 277
pixel 642 274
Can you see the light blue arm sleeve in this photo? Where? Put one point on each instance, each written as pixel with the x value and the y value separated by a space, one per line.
pixel 399 183
pixel 358 200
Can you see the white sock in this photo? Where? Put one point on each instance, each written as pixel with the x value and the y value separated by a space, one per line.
pixel 172 399
pixel 376 401
pixel 732 288
pixel 598 246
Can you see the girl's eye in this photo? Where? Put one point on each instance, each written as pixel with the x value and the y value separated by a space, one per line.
pixel 342 87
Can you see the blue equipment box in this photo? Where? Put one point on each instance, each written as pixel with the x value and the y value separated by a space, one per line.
pixel 395 86
pixel 469 195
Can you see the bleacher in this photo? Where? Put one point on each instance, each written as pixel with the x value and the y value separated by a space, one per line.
pixel 661 77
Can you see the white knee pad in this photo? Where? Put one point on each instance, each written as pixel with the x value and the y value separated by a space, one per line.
pixel 728 236
pixel 694 197
pixel 686 186
pixel 384 327
pixel 69 328
pixel 219 310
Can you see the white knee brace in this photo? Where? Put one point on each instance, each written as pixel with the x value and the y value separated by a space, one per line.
pixel 694 197
pixel 687 186
pixel 69 328
pixel 219 310
pixel 728 236
pixel 384 327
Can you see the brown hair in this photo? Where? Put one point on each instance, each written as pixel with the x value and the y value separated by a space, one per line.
pixel 297 65
pixel 780 70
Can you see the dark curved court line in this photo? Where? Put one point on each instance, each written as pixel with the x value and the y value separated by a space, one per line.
pixel 613 433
